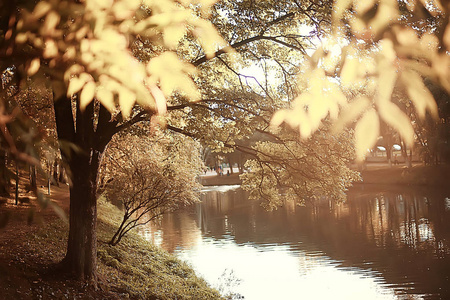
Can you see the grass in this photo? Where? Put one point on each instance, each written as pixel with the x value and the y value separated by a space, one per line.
pixel 133 269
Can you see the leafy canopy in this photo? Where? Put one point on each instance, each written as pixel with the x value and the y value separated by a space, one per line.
pixel 374 46
pixel 85 47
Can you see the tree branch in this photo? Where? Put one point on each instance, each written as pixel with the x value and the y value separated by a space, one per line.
pixel 141 116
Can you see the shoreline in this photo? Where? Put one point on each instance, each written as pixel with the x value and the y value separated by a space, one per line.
pixel 374 174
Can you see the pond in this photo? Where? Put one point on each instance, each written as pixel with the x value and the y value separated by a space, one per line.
pixel 379 244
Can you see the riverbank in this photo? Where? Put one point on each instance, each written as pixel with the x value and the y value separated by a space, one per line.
pixel 374 173
pixel 133 269
pixel 418 175
pixel 210 180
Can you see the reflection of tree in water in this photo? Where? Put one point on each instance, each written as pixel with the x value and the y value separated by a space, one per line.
pixel 402 235
pixel 178 229
pixel 407 235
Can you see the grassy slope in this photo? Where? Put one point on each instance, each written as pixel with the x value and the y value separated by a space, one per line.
pixel 134 268
pixel 142 270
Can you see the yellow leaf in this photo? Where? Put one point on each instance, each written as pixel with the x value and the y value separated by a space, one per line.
pixel 351 113
pixel 77 83
pixel 387 73
pixel 87 57
pixel 349 71
pixel 34 66
pixel 70 53
pixel 429 42
pixel 387 12
pixel 359 29
pixel 187 86
pixel 122 11
pixel 87 94
pixel 407 36
pixel 173 34
pixel 81 33
pixel 387 50
pixel 339 8
pixel 106 98
pixel 278 118
pixel 398 120
pixel 111 37
pixel 206 5
pixel 317 80
pixel 208 37
pixel 41 9
pixel 163 20
pixel 172 74
pixel 317 111
pixel 419 94
pixel 367 131
pixel 305 129
pixel 72 70
pixel 50 23
pixel 50 50
pixel 21 38
pixel 362 6
pixel 126 101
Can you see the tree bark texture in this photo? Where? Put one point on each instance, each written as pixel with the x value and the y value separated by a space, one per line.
pixel 81 256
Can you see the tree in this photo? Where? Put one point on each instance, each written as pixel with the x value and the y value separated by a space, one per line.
pixel 83 50
pixel 150 176
pixel 301 171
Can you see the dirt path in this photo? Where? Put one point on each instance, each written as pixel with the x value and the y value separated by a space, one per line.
pixel 24 272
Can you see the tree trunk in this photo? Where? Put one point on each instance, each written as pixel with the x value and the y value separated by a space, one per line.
pixel 4 178
pixel 61 177
pixel 230 163
pixel 17 182
pixel 55 173
pixel 81 257
pixel 410 158
pixel 33 182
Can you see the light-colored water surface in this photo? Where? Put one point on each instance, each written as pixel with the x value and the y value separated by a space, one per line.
pixel 377 245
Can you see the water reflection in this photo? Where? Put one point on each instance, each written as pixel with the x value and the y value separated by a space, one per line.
pixel 378 245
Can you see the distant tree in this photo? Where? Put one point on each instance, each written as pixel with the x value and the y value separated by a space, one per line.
pixel 20 138
pixel 433 138
pixel 150 176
